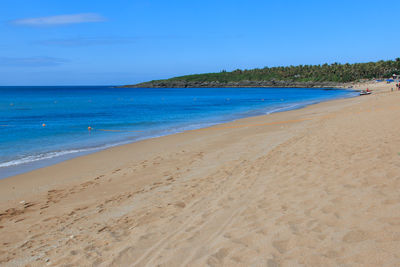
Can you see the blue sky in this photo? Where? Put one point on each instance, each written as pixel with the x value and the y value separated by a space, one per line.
pixel 48 42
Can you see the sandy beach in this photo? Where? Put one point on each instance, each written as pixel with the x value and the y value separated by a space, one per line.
pixel 318 186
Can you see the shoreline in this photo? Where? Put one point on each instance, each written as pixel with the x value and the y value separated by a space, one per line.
pixel 25 167
pixel 311 186
pixel 246 84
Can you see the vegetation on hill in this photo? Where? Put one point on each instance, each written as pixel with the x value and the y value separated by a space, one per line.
pixel 338 73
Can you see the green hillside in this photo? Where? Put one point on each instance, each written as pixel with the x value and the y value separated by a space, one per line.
pixel 303 73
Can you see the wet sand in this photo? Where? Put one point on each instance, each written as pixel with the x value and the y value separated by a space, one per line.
pixel 317 186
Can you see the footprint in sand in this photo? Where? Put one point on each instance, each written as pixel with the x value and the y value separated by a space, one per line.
pixel 117 170
pixel 281 246
pixel 355 236
pixel 217 258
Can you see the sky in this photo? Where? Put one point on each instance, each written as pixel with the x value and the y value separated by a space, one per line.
pixel 103 42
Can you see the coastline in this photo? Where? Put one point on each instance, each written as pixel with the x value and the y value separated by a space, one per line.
pixel 244 192
pixel 246 121
pixel 242 84
pixel 32 162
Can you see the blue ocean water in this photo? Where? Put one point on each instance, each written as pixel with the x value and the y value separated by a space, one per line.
pixel 122 115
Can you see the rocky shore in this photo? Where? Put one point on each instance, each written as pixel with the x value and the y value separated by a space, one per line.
pixel 190 84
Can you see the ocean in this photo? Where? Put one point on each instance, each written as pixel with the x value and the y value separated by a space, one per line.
pixel 44 125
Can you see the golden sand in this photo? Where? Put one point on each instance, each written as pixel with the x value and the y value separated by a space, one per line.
pixel 317 186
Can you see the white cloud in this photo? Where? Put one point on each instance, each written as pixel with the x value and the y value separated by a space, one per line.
pixel 59 20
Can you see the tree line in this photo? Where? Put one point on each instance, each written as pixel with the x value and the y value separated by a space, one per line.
pixel 335 72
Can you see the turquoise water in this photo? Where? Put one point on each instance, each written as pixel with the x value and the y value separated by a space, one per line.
pixel 123 115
